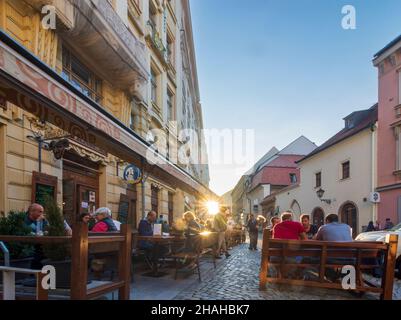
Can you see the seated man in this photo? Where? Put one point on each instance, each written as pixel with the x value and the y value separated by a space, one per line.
pixel 145 228
pixel 338 232
pixel 104 222
pixel 35 219
pixel 334 230
pixel 288 229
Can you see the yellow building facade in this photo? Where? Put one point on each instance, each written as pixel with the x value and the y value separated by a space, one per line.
pixel 134 61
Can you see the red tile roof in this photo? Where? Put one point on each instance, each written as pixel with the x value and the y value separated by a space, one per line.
pixel 364 119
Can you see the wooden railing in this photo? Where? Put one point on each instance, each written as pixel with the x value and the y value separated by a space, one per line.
pixel 80 242
pixel 279 257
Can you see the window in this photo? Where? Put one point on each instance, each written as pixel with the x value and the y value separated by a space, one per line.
pixel 293 178
pixel 81 77
pixel 155 199
pixel 132 117
pixel 153 81
pixel 255 208
pixel 345 170
pixel 318 182
pixel 170 106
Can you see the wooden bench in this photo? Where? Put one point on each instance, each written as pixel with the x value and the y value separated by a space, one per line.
pixel 289 256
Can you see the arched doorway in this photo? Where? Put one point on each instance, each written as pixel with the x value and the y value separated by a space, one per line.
pixel 318 217
pixel 349 215
pixel 296 209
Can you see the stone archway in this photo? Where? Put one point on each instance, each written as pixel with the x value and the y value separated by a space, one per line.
pixel 348 214
pixel 318 217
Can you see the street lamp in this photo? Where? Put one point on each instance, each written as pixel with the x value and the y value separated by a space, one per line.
pixel 320 194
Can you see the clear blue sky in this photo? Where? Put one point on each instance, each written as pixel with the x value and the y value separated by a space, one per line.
pixel 286 68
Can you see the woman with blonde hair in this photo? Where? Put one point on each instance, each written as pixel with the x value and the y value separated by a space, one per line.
pixel 193 227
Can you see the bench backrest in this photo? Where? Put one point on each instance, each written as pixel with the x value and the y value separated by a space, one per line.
pixel 325 253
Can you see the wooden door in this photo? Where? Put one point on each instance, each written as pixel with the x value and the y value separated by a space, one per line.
pixel 318 217
pixel 88 199
pixel 349 216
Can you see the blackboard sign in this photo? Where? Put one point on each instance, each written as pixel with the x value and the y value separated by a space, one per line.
pixel 43 186
pixel 42 192
pixel 123 209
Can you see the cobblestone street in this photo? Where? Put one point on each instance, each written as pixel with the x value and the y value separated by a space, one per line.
pixel 236 278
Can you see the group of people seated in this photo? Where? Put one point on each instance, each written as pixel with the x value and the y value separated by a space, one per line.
pixel 285 227
pixel 101 221
pixel 191 227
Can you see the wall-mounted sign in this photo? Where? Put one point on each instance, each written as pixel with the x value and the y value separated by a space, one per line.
pixel 132 174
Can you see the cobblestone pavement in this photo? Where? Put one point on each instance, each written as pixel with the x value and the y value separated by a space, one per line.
pixel 236 278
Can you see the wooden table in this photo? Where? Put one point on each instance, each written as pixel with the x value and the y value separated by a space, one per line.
pixel 157 241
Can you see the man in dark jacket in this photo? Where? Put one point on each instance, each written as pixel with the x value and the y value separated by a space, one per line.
pixel 252 226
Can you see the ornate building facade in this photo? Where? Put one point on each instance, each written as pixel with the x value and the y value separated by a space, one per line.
pixel 113 84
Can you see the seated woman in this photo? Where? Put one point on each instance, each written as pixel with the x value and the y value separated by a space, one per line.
pixel 104 222
pixel 192 231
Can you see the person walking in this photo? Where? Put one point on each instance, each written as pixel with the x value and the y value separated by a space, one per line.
pixel 252 226
pixel 220 226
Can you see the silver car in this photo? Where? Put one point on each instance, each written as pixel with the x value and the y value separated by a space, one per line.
pixel 381 236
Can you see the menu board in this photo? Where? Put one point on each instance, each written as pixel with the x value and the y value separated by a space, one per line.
pixel 43 192
pixel 123 209
pixel 43 186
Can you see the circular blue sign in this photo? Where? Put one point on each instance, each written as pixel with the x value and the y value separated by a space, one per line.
pixel 132 174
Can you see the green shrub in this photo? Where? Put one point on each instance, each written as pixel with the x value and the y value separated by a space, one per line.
pixel 14 224
pixel 55 228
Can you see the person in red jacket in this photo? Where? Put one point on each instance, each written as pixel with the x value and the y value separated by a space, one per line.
pixel 104 223
pixel 288 229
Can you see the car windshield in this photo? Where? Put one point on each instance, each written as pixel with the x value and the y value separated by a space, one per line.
pixel 396 227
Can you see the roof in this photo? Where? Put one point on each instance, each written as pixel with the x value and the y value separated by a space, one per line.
pixel 388 46
pixel 262 161
pixel 300 146
pixel 285 161
pixel 362 120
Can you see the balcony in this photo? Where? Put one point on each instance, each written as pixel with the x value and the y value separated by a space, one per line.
pixel 156 43
pixel 104 42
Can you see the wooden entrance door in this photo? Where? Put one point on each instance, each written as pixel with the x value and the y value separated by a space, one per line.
pixel 80 186
pixel 87 199
pixel 349 216
pixel 318 217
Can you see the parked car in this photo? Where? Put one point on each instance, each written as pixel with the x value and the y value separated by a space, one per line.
pixel 380 236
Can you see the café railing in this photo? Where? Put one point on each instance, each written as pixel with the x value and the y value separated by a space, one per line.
pixel 80 241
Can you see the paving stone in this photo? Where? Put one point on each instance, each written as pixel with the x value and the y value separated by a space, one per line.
pixel 237 278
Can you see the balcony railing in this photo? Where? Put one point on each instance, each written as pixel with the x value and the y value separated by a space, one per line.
pixel 156 41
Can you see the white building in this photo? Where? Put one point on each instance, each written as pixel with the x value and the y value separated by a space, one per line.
pixel 344 168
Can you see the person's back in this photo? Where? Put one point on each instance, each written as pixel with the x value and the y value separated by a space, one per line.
pixel 219 223
pixel 288 230
pixel 334 230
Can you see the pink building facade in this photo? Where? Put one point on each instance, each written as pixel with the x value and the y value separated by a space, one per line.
pixel 388 63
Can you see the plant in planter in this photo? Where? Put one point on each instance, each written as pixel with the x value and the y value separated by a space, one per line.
pixel 20 253
pixel 57 255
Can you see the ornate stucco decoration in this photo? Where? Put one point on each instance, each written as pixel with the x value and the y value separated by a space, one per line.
pixel 88 153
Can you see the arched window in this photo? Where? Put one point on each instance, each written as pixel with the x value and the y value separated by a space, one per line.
pixel 296 209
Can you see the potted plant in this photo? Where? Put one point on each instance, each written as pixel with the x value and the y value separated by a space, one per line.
pixel 57 254
pixel 21 254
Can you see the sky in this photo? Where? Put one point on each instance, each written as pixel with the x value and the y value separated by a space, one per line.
pixel 286 68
